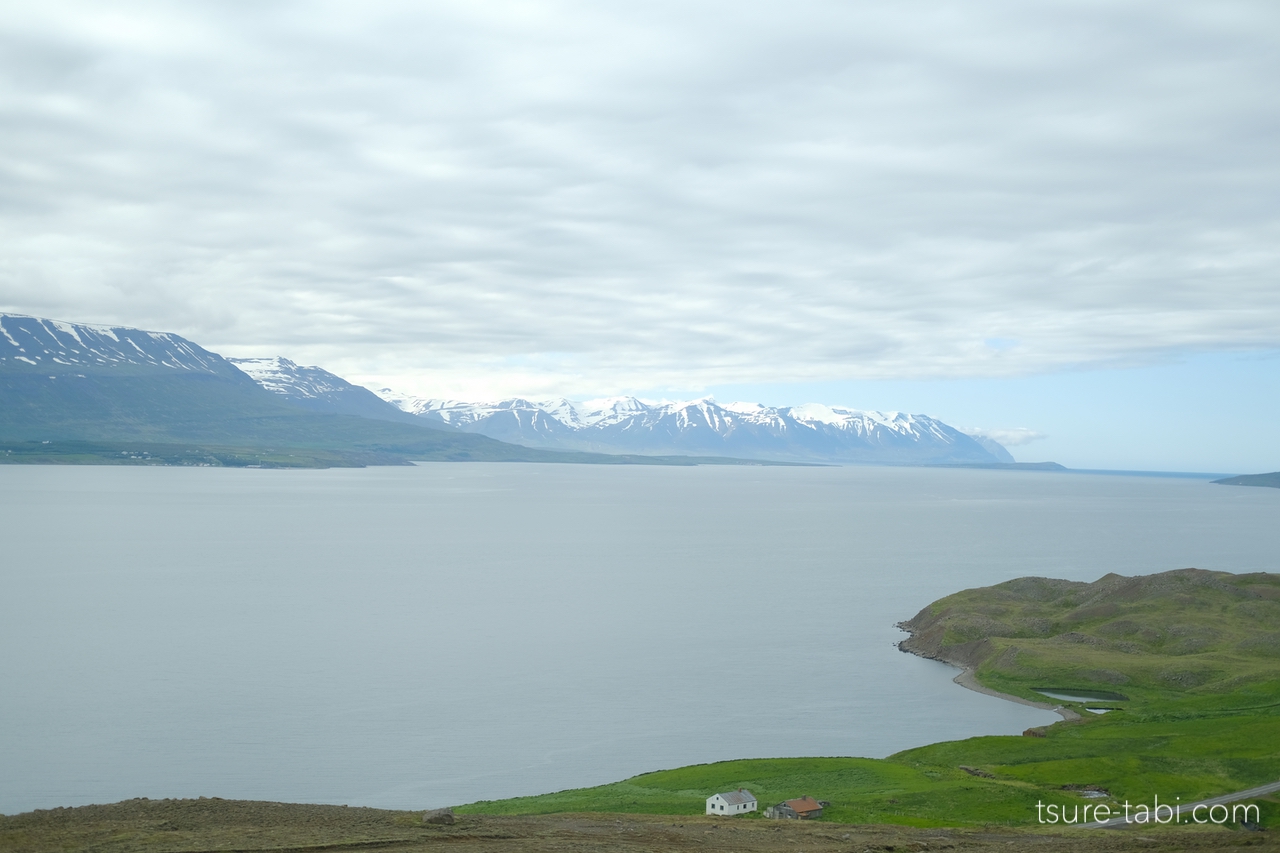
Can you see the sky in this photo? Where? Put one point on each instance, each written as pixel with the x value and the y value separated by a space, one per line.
pixel 1058 222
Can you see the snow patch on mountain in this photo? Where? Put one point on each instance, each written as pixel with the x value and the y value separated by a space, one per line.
pixel 409 403
pixel 282 376
pixel 318 390
pixel 813 432
pixel 40 342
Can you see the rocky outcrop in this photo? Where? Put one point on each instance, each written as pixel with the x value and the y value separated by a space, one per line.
pixel 443 817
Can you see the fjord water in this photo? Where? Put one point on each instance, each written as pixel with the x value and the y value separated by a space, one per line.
pixel 426 636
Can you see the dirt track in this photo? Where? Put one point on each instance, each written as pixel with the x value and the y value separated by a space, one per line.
pixel 184 826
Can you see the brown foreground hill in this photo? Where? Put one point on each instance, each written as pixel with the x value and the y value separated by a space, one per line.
pixel 186 826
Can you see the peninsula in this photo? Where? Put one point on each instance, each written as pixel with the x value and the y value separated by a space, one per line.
pixel 1173 681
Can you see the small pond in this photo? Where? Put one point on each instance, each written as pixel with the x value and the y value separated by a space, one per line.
pixel 1071 695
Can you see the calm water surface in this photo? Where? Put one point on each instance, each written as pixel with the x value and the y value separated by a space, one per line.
pixel 419 637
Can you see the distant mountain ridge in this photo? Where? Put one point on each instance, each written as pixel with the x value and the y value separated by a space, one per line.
pixel 318 390
pixel 87 383
pixel 36 343
pixel 811 433
pixel 96 394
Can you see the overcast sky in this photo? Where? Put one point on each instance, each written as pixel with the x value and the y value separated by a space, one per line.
pixel 478 199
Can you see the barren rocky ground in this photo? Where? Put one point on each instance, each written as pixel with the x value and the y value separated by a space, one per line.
pixel 183 826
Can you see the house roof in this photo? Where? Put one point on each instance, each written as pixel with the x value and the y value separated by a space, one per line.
pixel 738 797
pixel 804 804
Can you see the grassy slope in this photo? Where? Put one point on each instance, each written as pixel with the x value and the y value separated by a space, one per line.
pixel 1178 736
pixel 1187 641
pixel 926 787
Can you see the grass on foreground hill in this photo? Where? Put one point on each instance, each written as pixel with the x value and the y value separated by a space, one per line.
pixel 928 787
pixel 1183 643
pixel 184 826
pixel 1193 653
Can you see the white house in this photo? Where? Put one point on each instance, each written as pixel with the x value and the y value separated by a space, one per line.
pixel 740 801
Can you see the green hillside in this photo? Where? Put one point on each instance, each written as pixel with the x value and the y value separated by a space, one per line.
pixel 1188 659
pixel 1183 639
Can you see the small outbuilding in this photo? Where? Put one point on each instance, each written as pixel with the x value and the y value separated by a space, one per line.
pixel 731 803
pixel 802 808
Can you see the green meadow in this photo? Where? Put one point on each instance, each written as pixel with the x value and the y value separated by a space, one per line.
pixel 1187 661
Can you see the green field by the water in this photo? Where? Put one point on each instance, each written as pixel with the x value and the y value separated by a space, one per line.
pixel 1188 661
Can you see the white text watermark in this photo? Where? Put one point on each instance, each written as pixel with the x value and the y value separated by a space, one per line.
pixel 1141 813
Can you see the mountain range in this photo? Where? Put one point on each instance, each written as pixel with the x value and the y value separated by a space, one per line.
pixel 812 433
pixel 74 392
pixel 319 390
pixel 79 383
pixel 809 433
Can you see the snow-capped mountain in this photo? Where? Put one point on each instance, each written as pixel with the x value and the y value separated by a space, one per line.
pixel 33 343
pixel 79 380
pixel 811 432
pixel 319 390
pixel 109 394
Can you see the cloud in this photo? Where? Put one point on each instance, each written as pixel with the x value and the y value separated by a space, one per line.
pixel 1007 437
pixel 598 197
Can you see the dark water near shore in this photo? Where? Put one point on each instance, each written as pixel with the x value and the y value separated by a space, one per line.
pixel 434 635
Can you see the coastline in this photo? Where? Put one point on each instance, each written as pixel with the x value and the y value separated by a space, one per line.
pixel 969 680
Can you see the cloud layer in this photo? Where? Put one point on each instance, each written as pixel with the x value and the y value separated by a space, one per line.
pixel 597 197
pixel 1014 437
